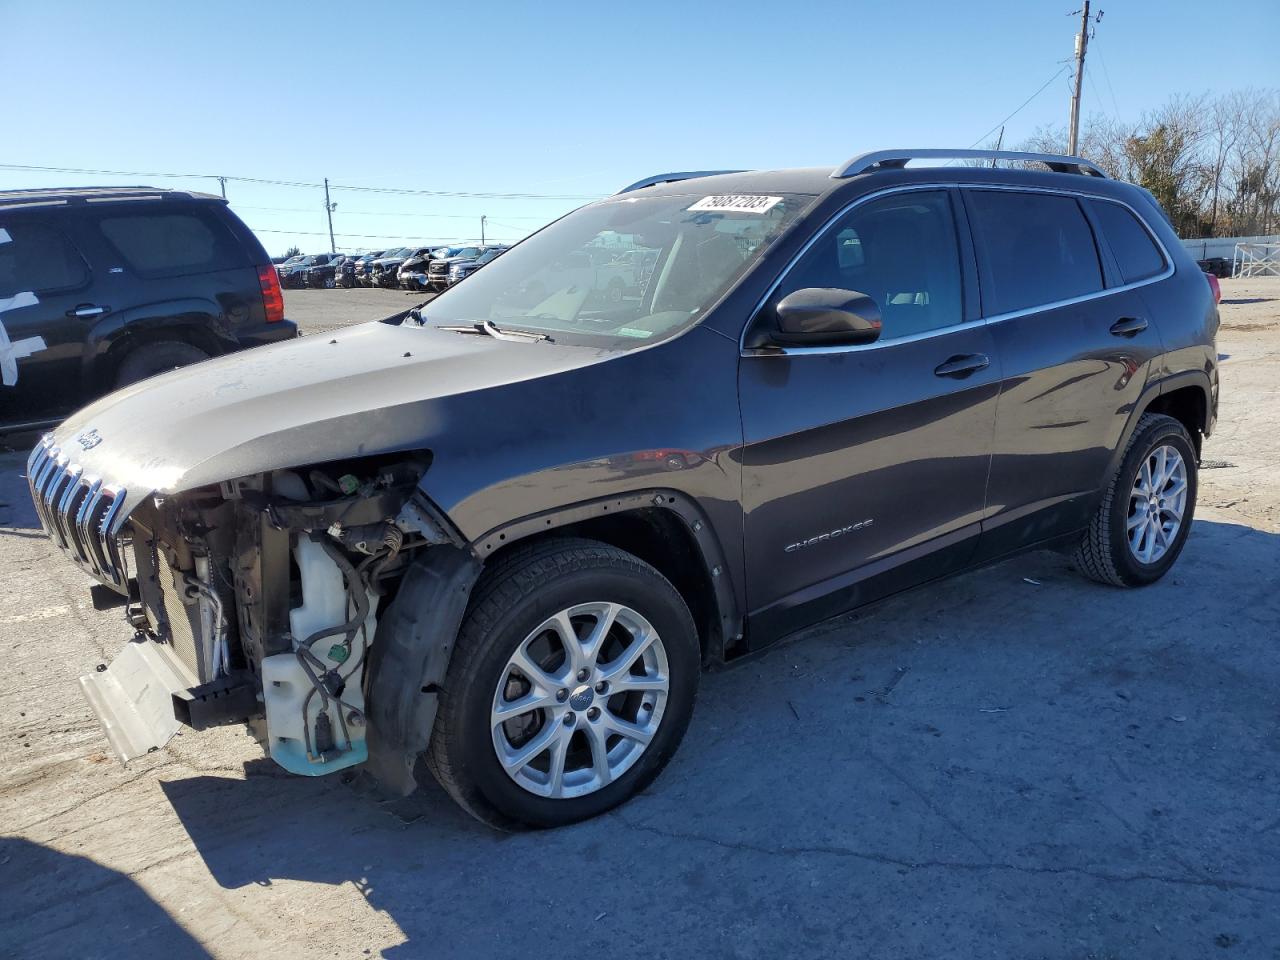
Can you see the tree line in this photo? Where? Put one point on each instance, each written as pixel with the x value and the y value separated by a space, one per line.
pixel 1213 162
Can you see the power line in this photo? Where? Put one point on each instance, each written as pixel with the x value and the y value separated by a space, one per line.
pixel 401 191
pixel 379 213
pixel 1039 91
pixel 1106 75
pixel 1093 88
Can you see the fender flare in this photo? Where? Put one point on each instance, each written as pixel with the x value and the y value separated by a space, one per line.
pixel 1154 390
pixel 728 614
pixel 193 318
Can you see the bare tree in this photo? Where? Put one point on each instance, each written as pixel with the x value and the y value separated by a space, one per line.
pixel 1223 132
pixel 1212 163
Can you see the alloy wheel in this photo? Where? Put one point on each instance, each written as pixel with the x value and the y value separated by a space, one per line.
pixel 580 700
pixel 1156 504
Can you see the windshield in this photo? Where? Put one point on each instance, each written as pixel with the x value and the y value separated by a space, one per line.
pixel 628 269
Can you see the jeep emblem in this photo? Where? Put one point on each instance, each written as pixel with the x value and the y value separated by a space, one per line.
pixel 89 439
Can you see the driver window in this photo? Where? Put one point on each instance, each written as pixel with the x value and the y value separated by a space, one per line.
pixel 901 250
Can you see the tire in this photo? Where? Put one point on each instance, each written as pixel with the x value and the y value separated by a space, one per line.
pixel 158 357
pixel 1106 553
pixel 521 592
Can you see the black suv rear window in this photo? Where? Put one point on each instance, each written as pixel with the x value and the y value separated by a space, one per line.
pixel 1037 247
pixel 36 258
pixel 172 244
pixel 1136 253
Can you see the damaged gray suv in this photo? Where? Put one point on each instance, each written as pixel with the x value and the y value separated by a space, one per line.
pixel 503 533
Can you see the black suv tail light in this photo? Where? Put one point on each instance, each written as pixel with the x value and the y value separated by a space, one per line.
pixel 272 295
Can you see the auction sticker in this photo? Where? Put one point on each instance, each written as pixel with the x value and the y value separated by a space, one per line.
pixel 736 204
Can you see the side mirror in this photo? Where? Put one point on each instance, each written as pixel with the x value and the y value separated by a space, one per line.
pixel 827 315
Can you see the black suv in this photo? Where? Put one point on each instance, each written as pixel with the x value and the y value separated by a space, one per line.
pixel 295 273
pixel 506 529
pixel 102 286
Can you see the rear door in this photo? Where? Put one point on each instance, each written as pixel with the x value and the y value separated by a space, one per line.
pixel 1075 343
pixel 865 467
pixel 45 310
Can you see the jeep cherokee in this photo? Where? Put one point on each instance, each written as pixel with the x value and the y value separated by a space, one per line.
pixel 505 530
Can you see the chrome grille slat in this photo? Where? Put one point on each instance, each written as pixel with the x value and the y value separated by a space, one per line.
pixel 81 514
pixel 69 496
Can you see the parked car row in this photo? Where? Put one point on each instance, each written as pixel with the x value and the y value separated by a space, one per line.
pixel 405 268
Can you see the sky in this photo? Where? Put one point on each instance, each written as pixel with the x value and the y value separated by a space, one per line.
pixel 557 102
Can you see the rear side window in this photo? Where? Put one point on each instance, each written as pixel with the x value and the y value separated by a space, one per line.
pixel 158 244
pixel 1037 249
pixel 36 258
pixel 1136 253
pixel 901 251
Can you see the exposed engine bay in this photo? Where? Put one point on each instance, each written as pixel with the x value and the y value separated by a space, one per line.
pixel 258 601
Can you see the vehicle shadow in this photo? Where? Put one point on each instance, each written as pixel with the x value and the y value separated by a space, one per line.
pixel 112 912
pixel 1014 743
pixel 16 508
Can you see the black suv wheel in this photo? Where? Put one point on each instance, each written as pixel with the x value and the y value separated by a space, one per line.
pixel 1147 509
pixel 159 357
pixel 570 688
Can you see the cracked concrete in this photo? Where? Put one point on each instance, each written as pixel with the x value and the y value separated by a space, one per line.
pixel 984 767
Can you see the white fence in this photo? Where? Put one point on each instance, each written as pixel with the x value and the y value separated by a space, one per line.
pixel 1257 260
pixel 1248 256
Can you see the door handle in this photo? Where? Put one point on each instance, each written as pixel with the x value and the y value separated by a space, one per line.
pixel 88 310
pixel 1128 326
pixel 963 365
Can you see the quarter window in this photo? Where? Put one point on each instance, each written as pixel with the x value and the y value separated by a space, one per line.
pixel 1037 249
pixel 1136 253
pixel 171 244
pixel 37 259
pixel 899 250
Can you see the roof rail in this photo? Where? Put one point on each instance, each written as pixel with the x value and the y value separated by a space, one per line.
pixel 897 159
pixel 673 178
pixel 68 196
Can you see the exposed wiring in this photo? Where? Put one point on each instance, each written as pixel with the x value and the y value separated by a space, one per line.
pixel 357 580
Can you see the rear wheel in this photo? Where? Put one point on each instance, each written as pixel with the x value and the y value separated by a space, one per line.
pixel 1146 512
pixel 158 357
pixel 571 686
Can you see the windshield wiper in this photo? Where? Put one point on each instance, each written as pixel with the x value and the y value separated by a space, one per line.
pixel 489 328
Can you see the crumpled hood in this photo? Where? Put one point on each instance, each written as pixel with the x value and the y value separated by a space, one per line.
pixel 363 390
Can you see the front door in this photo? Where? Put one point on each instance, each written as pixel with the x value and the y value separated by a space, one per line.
pixel 865 467
pixel 44 281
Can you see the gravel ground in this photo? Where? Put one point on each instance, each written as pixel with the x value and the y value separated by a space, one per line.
pixel 1014 763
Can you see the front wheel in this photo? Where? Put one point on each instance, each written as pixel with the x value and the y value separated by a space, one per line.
pixel 571 685
pixel 1147 509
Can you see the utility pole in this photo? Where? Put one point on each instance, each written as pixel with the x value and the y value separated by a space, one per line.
pixel 1082 44
pixel 482 220
pixel 223 181
pixel 328 209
